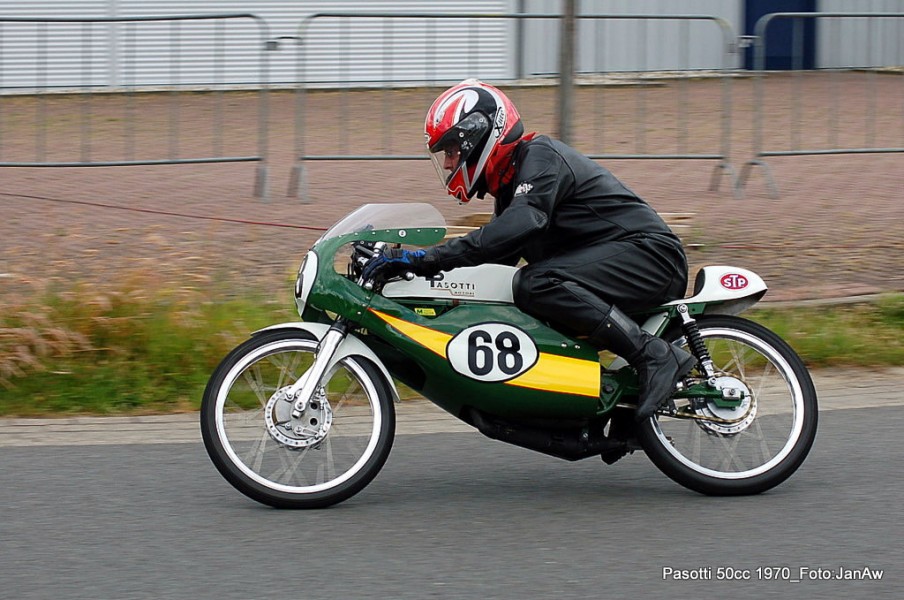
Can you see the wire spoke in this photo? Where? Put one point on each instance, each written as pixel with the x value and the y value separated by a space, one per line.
pixel 327 472
pixel 749 444
pixel 290 467
pixel 730 453
pixel 255 456
pixel 287 367
pixel 256 385
pixel 330 439
pixel 764 445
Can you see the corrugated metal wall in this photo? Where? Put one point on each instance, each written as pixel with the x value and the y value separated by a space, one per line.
pixel 633 45
pixel 212 53
pixel 876 42
pixel 407 50
pixel 24 48
pixel 223 53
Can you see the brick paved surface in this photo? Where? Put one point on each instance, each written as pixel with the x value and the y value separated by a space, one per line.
pixel 837 229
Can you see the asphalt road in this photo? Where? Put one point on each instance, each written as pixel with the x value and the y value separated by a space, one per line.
pixel 452 515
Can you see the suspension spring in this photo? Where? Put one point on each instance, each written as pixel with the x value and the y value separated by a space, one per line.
pixel 695 341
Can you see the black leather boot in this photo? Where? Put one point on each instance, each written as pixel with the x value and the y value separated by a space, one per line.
pixel 659 365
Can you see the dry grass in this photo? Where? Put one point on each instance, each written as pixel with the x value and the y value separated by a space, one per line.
pixel 30 334
pixel 147 345
pixel 143 344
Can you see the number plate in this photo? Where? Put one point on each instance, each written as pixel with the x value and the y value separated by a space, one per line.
pixel 492 352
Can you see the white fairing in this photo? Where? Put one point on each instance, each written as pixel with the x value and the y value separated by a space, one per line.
pixel 732 288
pixel 307 273
pixel 485 283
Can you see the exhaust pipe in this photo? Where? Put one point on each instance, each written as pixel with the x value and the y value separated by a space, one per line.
pixel 569 444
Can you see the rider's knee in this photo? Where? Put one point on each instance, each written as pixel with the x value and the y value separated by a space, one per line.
pixel 523 286
pixel 530 289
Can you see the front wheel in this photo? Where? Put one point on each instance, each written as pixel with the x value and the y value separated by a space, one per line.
pixel 324 456
pixel 745 449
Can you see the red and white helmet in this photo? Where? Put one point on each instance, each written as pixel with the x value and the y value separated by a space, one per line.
pixel 471 131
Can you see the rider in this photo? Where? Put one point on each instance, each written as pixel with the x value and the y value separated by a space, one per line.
pixel 591 244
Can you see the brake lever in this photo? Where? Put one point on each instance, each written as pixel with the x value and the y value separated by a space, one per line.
pixel 407 276
pixel 362 253
pixel 362 262
pixel 365 248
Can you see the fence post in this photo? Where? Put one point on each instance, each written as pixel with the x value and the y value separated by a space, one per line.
pixel 321 42
pixel 45 47
pixel 566 69
pixel 798 147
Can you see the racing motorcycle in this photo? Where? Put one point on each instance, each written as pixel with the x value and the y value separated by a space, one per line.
pixel 302 414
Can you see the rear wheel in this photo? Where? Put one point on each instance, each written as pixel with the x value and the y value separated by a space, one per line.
pixel 324 456
pixel 746 449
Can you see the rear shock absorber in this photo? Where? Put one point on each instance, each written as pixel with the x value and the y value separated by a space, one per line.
pixel 695 342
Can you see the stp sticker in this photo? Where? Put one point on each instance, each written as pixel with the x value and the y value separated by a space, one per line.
pixel 734 281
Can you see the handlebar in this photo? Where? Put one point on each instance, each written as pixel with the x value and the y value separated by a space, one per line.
pixel 364 253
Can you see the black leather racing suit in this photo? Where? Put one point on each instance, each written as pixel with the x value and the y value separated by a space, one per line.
pixel 589 241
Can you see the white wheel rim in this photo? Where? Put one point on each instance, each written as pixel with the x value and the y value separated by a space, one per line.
pixel 798 410
pixel 249 359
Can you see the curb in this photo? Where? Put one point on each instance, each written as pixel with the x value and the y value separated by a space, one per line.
pixel 837 389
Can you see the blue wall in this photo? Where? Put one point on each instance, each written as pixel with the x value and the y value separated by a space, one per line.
pixel 780 34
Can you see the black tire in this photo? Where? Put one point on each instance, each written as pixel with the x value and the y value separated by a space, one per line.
pixel 770 443
pixel 283 466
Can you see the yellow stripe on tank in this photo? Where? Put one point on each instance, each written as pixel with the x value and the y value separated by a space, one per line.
pixel 426 337
pixel 555 373
pixel 551 373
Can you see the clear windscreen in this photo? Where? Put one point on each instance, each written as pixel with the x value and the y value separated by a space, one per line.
pixel 387 216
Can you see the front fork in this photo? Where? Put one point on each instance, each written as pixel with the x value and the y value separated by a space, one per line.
pixel 301 392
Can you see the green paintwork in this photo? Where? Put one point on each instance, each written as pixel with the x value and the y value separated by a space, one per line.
pixel 452 391
pixel 337 294
pixel 334 293
pixel 711 394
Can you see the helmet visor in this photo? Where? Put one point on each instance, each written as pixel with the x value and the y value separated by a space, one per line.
pixel 446 161
pixel 451 154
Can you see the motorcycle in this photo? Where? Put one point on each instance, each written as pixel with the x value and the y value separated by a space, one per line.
pixel 302 414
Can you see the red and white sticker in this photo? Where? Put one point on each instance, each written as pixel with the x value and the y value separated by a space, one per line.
pixel 734 281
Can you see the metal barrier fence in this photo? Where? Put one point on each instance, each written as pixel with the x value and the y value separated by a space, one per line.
pixel 379 72
pixel 800 123
pixel 92 141
pixel 667 136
